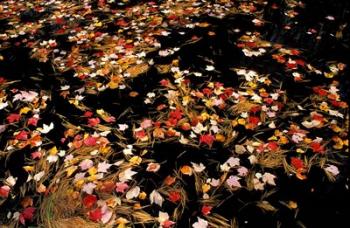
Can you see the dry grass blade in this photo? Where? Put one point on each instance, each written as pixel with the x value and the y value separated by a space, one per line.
pixel 59 207
pixel 271 160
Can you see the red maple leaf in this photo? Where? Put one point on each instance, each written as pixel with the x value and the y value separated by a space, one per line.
pixel 174 196
pixel 207 139
pixel 89 201
pixel 95 215
pixel 27 214
pixel 13 117
pixel 206 209
pixel 317 147
pixel 297 163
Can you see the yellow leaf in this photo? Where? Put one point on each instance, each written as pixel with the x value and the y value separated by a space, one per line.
pixel 92 171
pixel 283 140
pixel 98 24
pixel 71 170
pixel 203 24
pixel 300 151
pixel 53 151
pixel 144 152
pixel 205 188
pixel 329 75
pixel 105 150
pixel 24 110
pixel 135 160
pixel 272 138
pixel 92 178
pixel 28 168
pixel 241 121
pixel 336 128
pixel 220 138
pixel 142 195
pixel 234 123
pixel 79 183
pixel 205 115
pixel 307 140
pixel 100 112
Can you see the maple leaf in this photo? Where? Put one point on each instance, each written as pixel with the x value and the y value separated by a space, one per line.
pixel 38 176
pixel 27 214
pixel 233 181
pixel 201 223
pixel 106 216
pixel 89 200
pixel 3 105
pixel 122 127
pixel 153 167
pixel 332 169
pixel 121 187
pixel 156 197
pixel 232 162
pixel 206 210
pixel 25 96
pixel 186 170
pixel 4 191
pixel 146 123
pixel 89 188
pixel 103 167
pixel 126 175
pixel 92 122
pixel 207 139
pixel 13 117
pixel 198 168
pixel 46 128
pixel 174 196
pixel 33 121
pixel 242 171
pixel 297 163
pixel 95 215
pixel 133 192
pixel 269 178
pixel 86 164
pixel 22 135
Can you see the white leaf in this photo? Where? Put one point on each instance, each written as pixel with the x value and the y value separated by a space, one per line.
pixel 3 105
pixel 122 127
pixel 106 216
pixel 162 217
pixel 232 162
pixel 52 158
pixel 126 175
pixel 11 181
pixel 332 169
pixel 46 128
pixel 132 193
pixel 38 176
pixel 156 197
pixel 89 188
pixel 201 223
pixel 209 68
pixel 198 168
pixel 269 178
